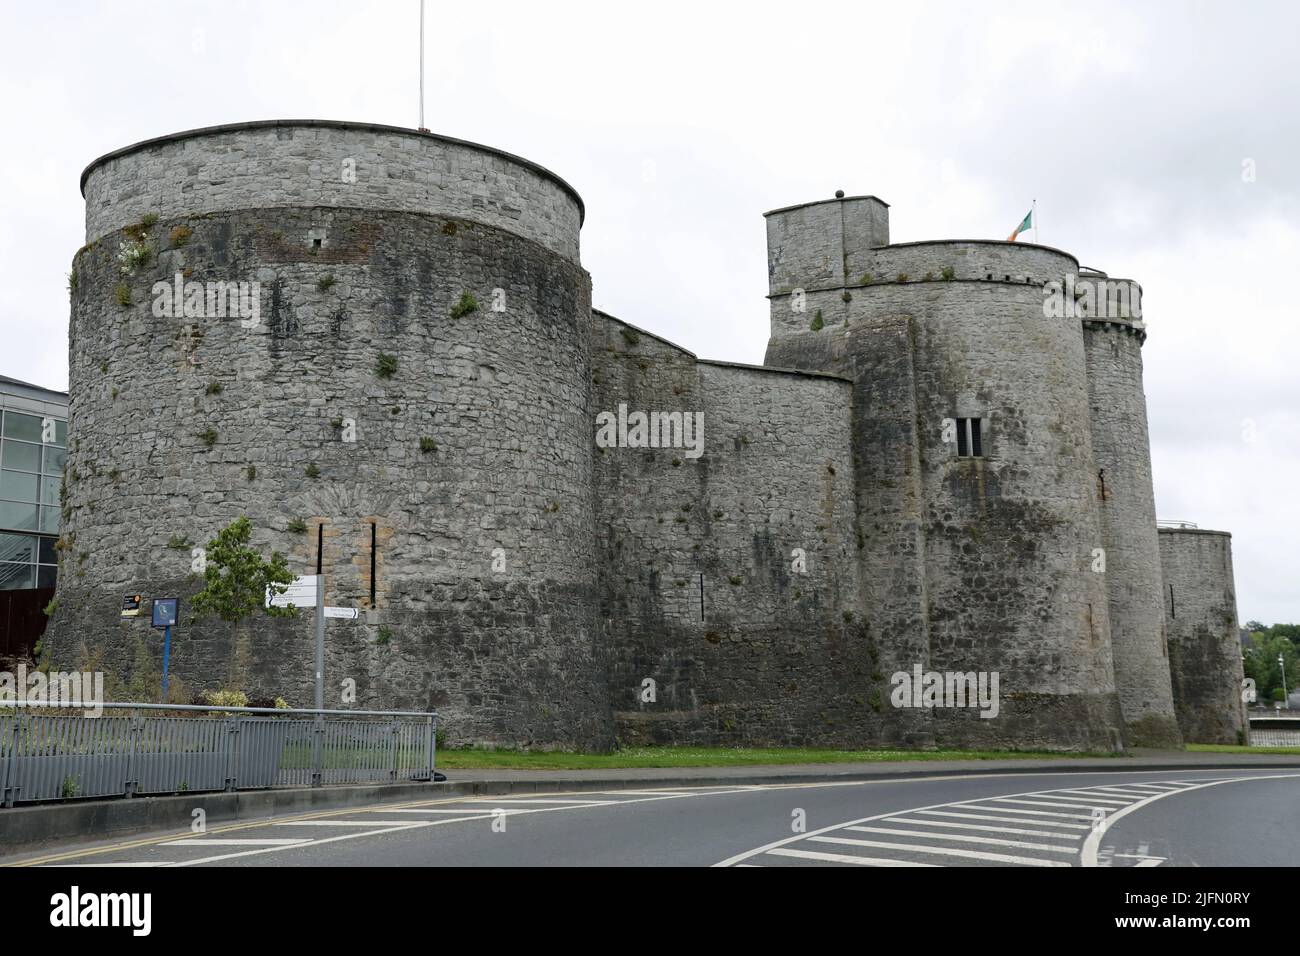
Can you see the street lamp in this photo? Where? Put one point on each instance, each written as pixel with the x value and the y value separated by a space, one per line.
pixel 1281 662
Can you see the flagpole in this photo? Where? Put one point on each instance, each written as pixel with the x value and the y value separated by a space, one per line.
pixel 421 127
pixel 1035 210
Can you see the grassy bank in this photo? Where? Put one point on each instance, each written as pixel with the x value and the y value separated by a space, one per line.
pixel 710 757
pixel 1234 749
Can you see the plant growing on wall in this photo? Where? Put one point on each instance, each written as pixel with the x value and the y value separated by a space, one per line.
pixel 386 365
pixel 134 254
pixel 237 577
pixel 465 306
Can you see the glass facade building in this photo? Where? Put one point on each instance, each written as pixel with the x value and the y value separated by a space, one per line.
pixel 33 444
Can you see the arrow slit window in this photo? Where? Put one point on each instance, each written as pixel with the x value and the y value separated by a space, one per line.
pixel 970 441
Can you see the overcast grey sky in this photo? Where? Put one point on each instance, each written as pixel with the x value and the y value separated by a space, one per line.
pixel 680 124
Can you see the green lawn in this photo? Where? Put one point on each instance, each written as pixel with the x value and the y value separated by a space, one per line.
pixel 709 757
pixel 1234 749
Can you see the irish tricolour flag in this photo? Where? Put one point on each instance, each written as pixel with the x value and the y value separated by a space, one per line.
pixel 1024 224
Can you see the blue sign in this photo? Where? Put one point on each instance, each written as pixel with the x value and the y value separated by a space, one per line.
pixel 164 612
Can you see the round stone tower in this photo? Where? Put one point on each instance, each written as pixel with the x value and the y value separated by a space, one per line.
pixel 375 344
pixel 1113 334
pixel 974 463
pixel 1201 622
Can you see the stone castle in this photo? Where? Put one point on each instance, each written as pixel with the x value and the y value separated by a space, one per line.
pixel 932 472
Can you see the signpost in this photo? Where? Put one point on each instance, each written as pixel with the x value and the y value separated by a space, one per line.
pixel 164 616
pixel 306 590
pixel 300 593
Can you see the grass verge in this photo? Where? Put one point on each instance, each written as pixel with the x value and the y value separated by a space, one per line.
pixel 711 757
pixel 1234 749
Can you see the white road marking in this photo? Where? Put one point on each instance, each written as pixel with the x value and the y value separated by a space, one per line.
pixel 916 821
pixel 981 816
pixel 941 851
pixel 1087 799
pixel 965 838
pixel 240 842
pixel 537 800
pixel 335 823
pixel 134 863
pixel 462 810
pixel 653 793
pixel 1087 853
pixel 1048 803
pixel 398 828
pixel 842 858
pixel 1037 813
pixel 1093 843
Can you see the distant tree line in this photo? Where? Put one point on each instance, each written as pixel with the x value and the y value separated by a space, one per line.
pixel 1261 647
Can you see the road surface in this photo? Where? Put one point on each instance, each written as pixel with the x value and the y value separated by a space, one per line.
pixel 1152 818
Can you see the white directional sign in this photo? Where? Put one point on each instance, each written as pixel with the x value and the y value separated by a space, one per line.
pixel 350 613
pixel 301 593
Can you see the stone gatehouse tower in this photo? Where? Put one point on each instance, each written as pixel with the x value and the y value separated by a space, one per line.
pixel 928 472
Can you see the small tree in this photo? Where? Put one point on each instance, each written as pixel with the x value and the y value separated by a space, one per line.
pixel 236 578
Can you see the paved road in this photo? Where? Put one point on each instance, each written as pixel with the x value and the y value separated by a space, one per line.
pixel 1183 818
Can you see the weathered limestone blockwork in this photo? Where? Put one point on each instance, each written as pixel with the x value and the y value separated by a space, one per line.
pixel 1126 504
pixel 505 655
pixel 1200 607
pixel 730 579
pixel 322 163
pixel 767 589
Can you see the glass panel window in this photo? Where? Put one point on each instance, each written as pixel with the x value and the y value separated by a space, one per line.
pixel 46 576
pixel 50 519
pixel 21 456
pixel 50 491
pixel 60 433
pixel 15 514
pixel 15 577
pixel 17 486
pixel 54 458
pixel 17 547
pixel 47 553
pixel 26 427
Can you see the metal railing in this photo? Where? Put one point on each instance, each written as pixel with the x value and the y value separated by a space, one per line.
pixel 129 751
pixel 1176 523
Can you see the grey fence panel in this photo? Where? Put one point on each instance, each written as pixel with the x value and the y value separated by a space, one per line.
pixel 178 754
pixel 55 756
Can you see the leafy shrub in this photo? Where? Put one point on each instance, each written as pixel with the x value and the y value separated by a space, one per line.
pixel 237 577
